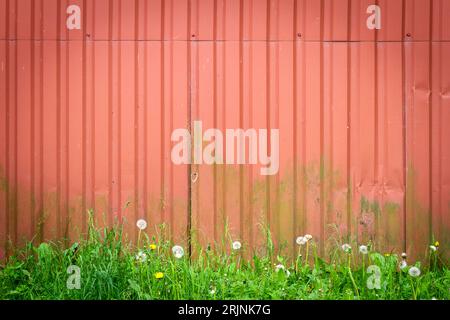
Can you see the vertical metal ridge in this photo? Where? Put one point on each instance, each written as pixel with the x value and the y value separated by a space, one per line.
pixel 322 160
pixel 440 120
pixel 349 121
pixel 215 114
pixel 58 120
pixel 294 124
pixel 93 119
pixel 136 199
pixel 189 121
pixel 7 117
pixel 330 196
pixel 241 114
pixel 377 132
pixel 196 84
pixel 110 111
pixel 224 110
pixel 146 106
pixel 430 124
pixel 119 115
pixel 404 127
pixel 330 24
pixel 277 118
pixel 303 172
pixel 84 134
pixel 250 117
pixel 329 167
pixel 15 188
pixel 67 175
pixel 268 200
pixel 32 126
pixel 171 118
pixel 41 129
pixel 162 79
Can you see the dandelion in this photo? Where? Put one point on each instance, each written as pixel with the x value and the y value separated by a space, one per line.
pixel 346 247
pixel 433 248
pixel 436 244
pixel 301 241
pixel 279 267
pixel 387 254
pixel 404 255
pixel 212 290
pixel 141 224
pixel 159 275
pixel 363 249
pixel 414 272
pixel 141 256
pixel 178 251
pixel 403 265
pixel 236 245
pixel 308 237
pixel 152 246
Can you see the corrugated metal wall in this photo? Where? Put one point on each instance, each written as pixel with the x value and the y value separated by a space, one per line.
pixel 86 118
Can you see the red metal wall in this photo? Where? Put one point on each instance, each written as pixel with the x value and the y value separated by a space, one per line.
pixel 86 118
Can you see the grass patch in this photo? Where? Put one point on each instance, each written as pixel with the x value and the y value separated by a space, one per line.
pixel 112 268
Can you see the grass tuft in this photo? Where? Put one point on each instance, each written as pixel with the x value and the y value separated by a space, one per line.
pixel 112 268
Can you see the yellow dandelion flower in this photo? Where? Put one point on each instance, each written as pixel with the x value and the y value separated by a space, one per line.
pixel 436 244
pixel 152 246
pixel 387 254
pixel 159 275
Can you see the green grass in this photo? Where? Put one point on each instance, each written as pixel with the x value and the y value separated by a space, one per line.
pixel 110 270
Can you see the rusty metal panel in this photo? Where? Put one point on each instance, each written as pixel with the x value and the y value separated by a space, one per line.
pixel 87 125
pixel 87 116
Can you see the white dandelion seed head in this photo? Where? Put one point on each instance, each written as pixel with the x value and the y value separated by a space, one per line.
pixel 178 251
pixel 301 241
pixel 141 256
pixel 414 272
pixel 346 247
pixel 141 224
pixel 308 237
pixel 279 267
pixel 403 264
pixel 433 248
pixel 363 249
pixel 236 245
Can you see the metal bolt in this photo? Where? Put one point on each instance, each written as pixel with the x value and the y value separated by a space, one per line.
pixel 194 177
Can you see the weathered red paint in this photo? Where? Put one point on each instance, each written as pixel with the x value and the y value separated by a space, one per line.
pixel 86 118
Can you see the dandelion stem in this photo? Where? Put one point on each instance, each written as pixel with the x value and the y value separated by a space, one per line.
pixel 307 251
pixel 413 290
pixel 351 276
